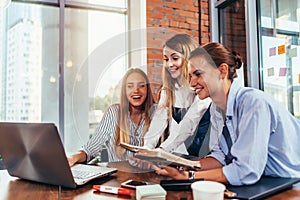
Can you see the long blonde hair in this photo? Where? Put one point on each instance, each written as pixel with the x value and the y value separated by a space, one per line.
pixel 183 44
pixel 122 129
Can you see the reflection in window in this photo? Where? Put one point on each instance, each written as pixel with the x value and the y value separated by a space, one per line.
pixel 29 63
pixel 21 75
pixel 280 53
pixel 233 32
pixel 92 71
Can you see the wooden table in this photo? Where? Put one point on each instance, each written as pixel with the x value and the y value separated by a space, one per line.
pixel 12 188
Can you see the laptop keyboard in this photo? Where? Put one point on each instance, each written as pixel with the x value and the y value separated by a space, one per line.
pixel 81 171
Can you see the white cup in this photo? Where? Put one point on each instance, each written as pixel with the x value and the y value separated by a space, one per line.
pixel 206 190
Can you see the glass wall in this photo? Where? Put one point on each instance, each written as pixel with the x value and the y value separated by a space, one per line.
pixel 92 71
pixel 280 58
pixel 57 66
pixel 28 71
pixel 232 31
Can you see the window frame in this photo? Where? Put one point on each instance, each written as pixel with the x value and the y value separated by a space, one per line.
pixel 136 19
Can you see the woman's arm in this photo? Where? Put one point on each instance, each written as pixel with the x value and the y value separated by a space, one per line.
pixel 187 125
pixel 78 157
pixel 211 169
pixel 158 124
pixel 104 132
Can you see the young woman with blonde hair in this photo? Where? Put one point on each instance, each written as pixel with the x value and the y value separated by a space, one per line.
pixel 127 121
pixel 176 98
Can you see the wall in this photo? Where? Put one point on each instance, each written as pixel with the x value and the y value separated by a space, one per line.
pixel 166 18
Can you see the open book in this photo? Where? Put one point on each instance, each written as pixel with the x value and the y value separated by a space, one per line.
pixel 159 155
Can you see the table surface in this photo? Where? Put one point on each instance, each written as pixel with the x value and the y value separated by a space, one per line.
pixel 13 188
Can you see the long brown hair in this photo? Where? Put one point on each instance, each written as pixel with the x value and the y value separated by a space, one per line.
pixel 183 44
pixel 122 130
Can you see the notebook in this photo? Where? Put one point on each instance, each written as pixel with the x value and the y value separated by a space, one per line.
pixel 265 187
pixel 34 151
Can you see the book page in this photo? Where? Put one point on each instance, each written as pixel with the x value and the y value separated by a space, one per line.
pixel 161 156
pixel 132 148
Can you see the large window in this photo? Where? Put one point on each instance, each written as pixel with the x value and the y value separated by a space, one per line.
pixel 93 70
pixel 62 62
pixel 280 58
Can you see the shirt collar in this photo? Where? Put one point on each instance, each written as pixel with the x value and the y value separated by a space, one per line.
pixel 231 97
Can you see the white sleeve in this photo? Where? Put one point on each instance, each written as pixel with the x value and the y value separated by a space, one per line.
pixel 158 124
pixel 187 125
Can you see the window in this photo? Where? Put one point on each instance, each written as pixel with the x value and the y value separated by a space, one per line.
pixel 94 64
pixel 26 65
pixel 280 58
pixel 266 33
pixel 233 30
pixel 37 46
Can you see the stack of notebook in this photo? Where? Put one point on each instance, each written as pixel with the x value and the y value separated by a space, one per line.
pixel 145 192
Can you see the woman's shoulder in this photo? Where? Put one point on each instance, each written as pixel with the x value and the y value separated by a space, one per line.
pixel 253 97
pixel 247 93
pixel 114 108
pixel 251 94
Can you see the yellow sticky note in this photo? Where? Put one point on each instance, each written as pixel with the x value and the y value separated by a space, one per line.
pixel 281 49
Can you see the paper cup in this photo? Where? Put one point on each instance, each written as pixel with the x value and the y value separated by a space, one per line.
pixel 204 190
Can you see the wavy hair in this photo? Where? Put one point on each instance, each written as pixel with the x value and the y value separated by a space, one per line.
pixel 183 44
pixel 122 129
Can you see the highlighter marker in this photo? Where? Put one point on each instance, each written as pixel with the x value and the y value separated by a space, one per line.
pixel 112 190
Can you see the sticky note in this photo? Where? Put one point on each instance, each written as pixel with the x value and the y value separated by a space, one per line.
pixel 271 71
pixel 282 71
pixel 293 52
pixel 281 49
pixel 272 51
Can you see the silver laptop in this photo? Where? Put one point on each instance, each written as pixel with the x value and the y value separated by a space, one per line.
pixel 34 151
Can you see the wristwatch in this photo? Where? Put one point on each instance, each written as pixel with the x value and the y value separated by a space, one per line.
pixel 191 175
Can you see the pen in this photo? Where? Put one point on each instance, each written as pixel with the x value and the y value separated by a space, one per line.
pixel 112 190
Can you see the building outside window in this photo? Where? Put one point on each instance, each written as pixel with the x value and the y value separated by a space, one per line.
pixel 53 67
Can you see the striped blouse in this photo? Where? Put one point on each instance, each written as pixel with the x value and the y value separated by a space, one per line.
pixel 104 136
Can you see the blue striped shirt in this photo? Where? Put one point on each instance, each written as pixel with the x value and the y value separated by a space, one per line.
pixel 105 135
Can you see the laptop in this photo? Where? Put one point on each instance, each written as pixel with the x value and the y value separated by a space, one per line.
pixel 34 151
pixel 265 187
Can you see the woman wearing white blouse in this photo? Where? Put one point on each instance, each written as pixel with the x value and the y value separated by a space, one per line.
pixel 175 99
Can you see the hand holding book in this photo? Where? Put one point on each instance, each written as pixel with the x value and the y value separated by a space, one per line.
pixel 161 157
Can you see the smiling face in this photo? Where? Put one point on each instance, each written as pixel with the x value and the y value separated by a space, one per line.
pixel 196 73
pixel 173 62
pixel 136 89
pixel 208 80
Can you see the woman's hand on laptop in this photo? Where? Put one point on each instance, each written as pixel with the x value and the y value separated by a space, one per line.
pixel 71 161
pixel 78 157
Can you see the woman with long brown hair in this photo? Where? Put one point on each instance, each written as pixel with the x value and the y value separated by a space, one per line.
pixel 126 122
pixel 251 134
pixel 172 122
